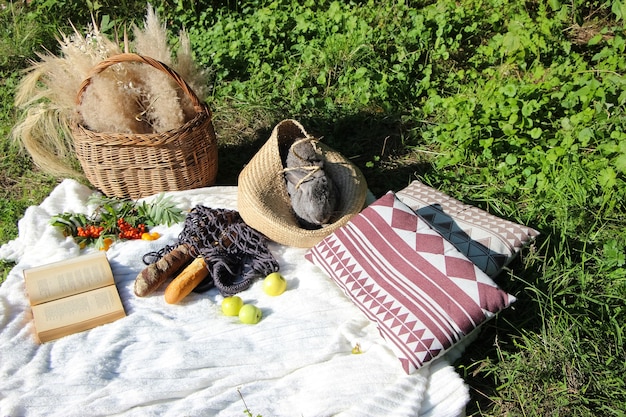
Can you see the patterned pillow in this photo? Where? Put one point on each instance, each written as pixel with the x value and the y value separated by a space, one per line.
pixel 488 241
pixel 423 294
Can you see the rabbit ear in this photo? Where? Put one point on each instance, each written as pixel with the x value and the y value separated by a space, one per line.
pixel 294 176
pixel 299 175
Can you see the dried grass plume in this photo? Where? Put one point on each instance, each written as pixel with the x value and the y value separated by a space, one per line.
pixel 125 98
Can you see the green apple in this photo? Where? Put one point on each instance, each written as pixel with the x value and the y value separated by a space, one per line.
pixel 231 305
pixel 274 284
pixel 250 314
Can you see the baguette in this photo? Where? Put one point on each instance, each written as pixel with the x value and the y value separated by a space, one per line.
pixel 154 275
pixel 189 279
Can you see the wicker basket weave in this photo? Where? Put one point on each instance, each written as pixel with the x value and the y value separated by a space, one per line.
pixel 138 165
pixel 264 203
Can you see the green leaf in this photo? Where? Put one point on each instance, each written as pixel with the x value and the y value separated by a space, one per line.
pixel 511 159
pixel 554 4
pixel 321 78
pixel 509 90
pixel 529 107
pixel 106 24
pixel 535 133
pixel 161 211
pixel 595 40
pixel 585 136
pixel 486 143
pixel 511 43
pixel 619 9
pixel 613 253
pixel 360 72
pixel 607 177
pixel 620 163
pixel 508 129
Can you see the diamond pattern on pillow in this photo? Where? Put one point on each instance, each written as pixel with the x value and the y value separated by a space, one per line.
pixel 423 294
pixel 487 240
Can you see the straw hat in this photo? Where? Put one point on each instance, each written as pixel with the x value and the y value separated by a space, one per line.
pixel 265 205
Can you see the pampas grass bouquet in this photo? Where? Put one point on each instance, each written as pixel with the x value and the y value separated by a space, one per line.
pixel 127 98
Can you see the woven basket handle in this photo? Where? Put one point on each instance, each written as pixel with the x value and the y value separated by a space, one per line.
pixel 127 57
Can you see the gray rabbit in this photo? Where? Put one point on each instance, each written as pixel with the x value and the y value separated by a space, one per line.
pixel 312 191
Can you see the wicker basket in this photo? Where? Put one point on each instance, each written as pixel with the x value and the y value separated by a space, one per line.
pixel 138 165
pixel 264 203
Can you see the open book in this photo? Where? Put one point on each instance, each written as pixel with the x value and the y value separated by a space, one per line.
pixel 73 295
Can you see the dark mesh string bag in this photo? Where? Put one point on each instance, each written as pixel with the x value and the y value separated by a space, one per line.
pixel 234 252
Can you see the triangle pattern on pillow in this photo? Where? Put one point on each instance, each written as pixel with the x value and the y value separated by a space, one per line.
pixel 402 220
pixel 478 251
pixel 423 294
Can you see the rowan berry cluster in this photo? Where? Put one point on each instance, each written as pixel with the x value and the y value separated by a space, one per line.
pixel 127 231
pixel 89 231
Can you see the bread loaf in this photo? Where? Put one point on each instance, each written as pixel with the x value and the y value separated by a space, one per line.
pixel 188 279
pixel 154 275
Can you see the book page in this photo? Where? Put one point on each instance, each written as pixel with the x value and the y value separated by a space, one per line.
pixel 72 276
pixel 70 312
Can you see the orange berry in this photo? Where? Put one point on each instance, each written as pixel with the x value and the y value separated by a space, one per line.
pixel 106 243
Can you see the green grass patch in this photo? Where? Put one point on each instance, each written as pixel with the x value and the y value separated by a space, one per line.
pixel 516 107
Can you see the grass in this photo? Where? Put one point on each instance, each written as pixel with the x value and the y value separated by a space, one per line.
pixel 516 107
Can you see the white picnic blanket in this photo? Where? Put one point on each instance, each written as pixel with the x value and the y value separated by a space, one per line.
pixel 189 359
